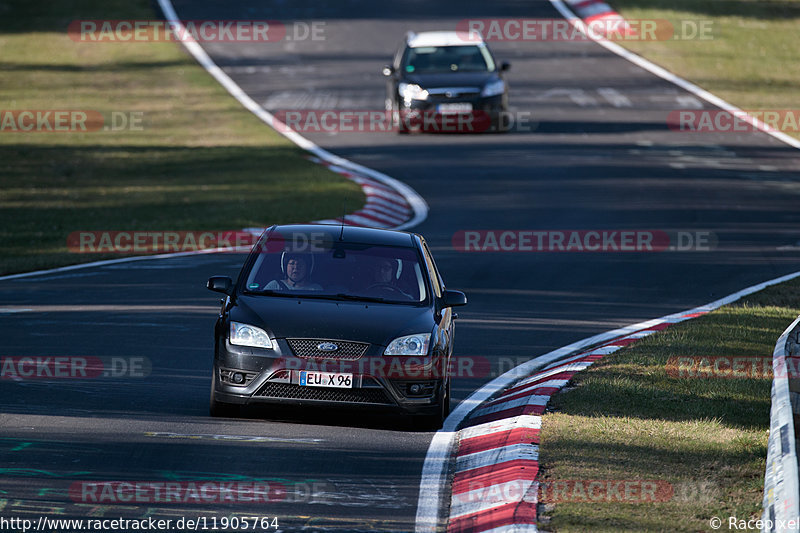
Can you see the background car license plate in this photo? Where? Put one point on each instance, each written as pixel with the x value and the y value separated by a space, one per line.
pixel 326 379
pixel 455 108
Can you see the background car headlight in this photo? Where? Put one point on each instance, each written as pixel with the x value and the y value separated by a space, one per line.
pixel 246 335
pixel 493 88
pixel 409 345
pixel 412 91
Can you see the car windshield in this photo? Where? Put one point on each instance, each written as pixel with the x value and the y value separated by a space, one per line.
pixel 339 271
pixel 440 59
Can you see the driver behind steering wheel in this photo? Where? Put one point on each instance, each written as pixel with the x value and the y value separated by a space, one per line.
pixel 384 272
pixel 385 276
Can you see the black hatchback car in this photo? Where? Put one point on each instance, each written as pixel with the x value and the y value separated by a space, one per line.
pixel 446 81
pixel 336 316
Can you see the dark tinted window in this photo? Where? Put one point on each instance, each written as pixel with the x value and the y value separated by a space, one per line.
pixel 371 271
pixel 431 59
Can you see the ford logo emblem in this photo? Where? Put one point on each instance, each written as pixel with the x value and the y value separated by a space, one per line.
pixel 327 347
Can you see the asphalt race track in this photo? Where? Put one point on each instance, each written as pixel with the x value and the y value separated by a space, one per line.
pixel 600 156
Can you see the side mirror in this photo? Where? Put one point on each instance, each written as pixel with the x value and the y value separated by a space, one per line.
pixel 453 298
pixel 222 284
pixel 388 70
pixel 504 66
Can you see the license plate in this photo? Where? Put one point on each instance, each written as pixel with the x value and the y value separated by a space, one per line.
pixel 326 379
pixel 454 108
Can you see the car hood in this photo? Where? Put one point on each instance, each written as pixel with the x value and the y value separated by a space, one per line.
pixel 455 79
pixel 375 323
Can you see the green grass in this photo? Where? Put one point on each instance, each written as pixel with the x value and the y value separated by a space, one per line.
pixel 200 162
pixel 627 419
pixel 751 59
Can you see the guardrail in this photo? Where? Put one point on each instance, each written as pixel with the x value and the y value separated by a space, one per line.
pixel 781 486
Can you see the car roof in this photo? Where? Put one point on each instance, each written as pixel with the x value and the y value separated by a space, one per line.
pixel 353 234
pixel 443 38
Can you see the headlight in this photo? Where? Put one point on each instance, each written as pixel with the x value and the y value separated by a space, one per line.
pixel 412 91
pixel 494 88
pixel 246 335
pixel 409 345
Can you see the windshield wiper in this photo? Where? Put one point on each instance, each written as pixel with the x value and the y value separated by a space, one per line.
pixel 268 292
pixel 344 296
pixel 339 296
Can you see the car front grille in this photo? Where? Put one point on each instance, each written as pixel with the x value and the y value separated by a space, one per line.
pixel 308 349
pixel 296 392
pixel 448 93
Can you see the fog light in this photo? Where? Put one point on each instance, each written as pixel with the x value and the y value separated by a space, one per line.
pixel 420 388
pixel 237 377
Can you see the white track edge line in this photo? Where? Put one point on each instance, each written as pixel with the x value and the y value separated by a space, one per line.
pixel 424 520
pixel 104 262
pixel 418 205
pixel 663 73
pixel 437 460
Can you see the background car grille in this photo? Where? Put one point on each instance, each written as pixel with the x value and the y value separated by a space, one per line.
pixel 296 392
pixel 444 93
pixel 307 348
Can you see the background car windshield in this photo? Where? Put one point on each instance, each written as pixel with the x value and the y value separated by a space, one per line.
pixel 369 271
pixel 432 59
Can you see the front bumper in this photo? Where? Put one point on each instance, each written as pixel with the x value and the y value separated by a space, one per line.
pixel 428 115
pixel 272 377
